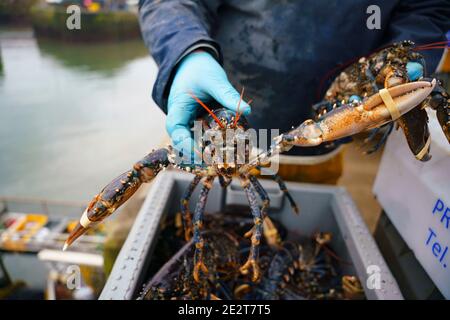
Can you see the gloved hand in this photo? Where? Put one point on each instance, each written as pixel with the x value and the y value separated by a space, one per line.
pixel 200 74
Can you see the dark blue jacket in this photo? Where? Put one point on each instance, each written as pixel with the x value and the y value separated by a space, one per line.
pixel 280 50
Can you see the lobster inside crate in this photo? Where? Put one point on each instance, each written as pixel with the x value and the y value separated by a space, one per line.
pixel 325 209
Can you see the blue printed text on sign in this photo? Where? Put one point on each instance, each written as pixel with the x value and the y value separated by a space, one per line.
pixel 437 247
pixel 443 211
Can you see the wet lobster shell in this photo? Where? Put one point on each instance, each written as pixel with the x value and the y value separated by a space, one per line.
pixel 384 69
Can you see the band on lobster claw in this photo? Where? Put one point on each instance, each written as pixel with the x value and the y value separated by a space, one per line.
pixel 389 103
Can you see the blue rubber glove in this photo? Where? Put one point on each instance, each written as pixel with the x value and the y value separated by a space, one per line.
pixel 200 74
pixel 415 70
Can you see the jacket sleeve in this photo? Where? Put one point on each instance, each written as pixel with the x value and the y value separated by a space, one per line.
pixel 173 28
pixel 422 21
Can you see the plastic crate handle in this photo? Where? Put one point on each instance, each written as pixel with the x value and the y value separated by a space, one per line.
pixel 235 195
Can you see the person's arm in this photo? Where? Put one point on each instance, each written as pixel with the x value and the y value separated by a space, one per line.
pixel 177 32
pixel 173 28
pixel 422 21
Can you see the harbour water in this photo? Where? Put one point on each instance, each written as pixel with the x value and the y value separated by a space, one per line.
pixel 72 116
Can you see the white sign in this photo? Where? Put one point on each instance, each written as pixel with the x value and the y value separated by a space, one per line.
pixel 416 197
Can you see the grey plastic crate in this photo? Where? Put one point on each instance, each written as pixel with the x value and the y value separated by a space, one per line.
pixel 323 208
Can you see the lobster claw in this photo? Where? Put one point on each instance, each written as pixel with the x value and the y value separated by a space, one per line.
pixel 81 228
pixel 119 191
pixel 383 107
pixel 104 204
pixel 404 97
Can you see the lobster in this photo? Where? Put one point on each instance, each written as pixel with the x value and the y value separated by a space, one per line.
pixel 400 101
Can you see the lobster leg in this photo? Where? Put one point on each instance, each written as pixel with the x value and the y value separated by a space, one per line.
pixel 284 189
pixel 262 194
pixel 270 231
pixel 385 132
pixel 252 261
pixel 198 221
pixel 185 212
pixel 118 191
pixel 286 192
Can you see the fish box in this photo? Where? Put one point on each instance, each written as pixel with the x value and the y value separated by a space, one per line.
pixel 323 208
pixel 416 197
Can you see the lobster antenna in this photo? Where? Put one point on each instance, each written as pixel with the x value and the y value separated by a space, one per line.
pixel 446 42
pixel 198 153
pixel 433 45
pixel 236 118
pixel 207 109
pixel 429 48
pixel 240 113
